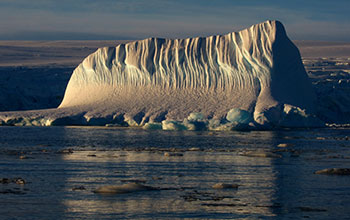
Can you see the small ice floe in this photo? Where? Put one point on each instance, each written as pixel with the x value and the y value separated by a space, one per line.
pixel 194 149
pixel 156 178
pixel 65 151
pixel 334 171
pixel 171 154
pixel 260 154
pixel 122 189
pixel 112 125
pixel 23 157
pixel 78 188
pixel 285 145
pixel 173 126
pixel 152 126
pixel 224 186
pixel 18 180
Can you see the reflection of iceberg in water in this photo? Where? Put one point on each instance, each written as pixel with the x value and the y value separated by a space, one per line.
pixel 196 170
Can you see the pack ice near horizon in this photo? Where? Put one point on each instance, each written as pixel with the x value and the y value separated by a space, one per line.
pixel 251 79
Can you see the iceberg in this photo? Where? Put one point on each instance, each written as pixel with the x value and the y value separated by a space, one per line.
pixel 238 78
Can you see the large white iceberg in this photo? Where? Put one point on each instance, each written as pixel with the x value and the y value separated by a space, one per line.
pixel 255 70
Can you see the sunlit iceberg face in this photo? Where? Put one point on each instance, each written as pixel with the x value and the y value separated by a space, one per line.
pixel 241 79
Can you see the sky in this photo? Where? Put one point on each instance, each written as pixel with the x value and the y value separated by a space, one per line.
pixel 322 20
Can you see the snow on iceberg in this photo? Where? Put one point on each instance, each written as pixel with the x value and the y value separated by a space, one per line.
pixel 225 81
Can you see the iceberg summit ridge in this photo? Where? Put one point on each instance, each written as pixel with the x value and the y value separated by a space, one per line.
pixel 256 71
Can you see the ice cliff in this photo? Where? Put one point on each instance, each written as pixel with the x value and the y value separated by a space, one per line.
pixel 256 73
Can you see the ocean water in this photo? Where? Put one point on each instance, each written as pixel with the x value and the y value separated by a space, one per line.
pixel 62 166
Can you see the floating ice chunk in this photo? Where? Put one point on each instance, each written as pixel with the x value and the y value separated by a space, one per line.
pixel 225 186
pixel 172 154
pixel 189 125
pixel 121 189
pixel 239 116
pixel 260 154
pixel 153 126
pixel 233 126
pixel 195 125
pixel 225 125
pixel 269 117
pixel 222 127
pixel 173 125
pixel 27 121
pixel 115 125
pixel 136 120
pixel 289 110
pixel 118 121
pixel 286 116
pixel 195 122
pixel 214 123
pixel 282 145
pixel 334 171
pixel 131 122
pixel 41 122
pixel 195 116
pixel 296 117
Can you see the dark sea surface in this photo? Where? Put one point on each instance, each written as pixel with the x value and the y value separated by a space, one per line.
pixel 62 166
